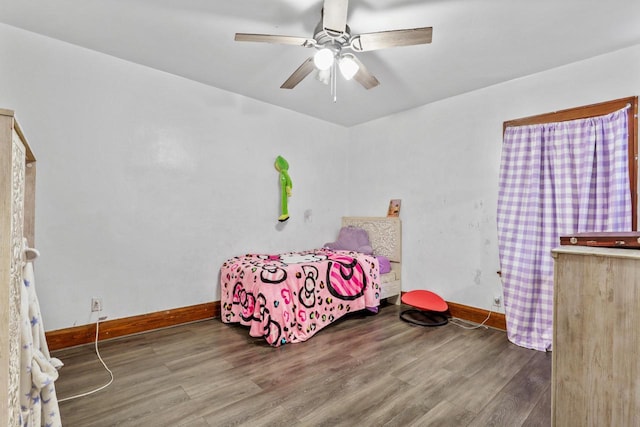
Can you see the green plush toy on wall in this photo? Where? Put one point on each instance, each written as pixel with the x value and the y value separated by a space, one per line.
pixel 286 185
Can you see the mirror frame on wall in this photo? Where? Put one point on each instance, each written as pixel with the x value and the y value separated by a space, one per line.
pixel 595 110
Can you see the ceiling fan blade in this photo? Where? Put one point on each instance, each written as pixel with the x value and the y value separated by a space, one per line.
pixel 334 15
pixel 299 74
pixel 270 38
pixel 364 77
pixel 385 39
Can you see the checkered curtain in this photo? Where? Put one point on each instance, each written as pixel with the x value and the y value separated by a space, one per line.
pixel 555 179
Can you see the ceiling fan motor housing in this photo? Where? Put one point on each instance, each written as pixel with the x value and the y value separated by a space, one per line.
pixel 325 38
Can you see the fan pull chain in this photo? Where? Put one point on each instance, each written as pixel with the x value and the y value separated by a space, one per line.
pixel 334 85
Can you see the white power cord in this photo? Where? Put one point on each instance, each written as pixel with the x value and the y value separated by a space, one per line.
pixel 465 325
pixel 103 364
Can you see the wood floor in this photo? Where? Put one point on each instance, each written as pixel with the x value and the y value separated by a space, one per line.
pixel 363 371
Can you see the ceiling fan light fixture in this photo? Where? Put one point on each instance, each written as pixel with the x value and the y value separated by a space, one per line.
pixel 323 59
pixel 324 76
pixel 348 66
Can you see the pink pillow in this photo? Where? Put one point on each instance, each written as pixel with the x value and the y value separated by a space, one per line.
pixel 352 239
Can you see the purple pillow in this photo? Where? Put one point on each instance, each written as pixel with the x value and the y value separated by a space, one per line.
pixel 351 239
pixel 385 264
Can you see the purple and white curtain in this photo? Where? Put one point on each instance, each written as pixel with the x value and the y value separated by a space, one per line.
pixel 555 179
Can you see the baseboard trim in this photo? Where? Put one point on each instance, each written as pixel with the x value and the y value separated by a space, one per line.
pixel 477 315
pixel 78 335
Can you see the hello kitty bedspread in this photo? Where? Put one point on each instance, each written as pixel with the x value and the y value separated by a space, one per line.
pixel 287 298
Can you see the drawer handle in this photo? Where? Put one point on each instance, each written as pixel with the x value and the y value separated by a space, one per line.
pixel 574 240
pixel 620 243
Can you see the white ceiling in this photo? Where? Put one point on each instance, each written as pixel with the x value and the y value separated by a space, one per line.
pixel 475 43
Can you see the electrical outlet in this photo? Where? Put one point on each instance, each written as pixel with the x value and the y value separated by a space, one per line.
pixel 497 300
pixel 96 304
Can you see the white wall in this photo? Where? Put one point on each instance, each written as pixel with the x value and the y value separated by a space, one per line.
pixel 445 163
pixel 147 182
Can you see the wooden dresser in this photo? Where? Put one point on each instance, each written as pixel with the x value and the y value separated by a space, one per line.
pixel 17 204
pixel 596 337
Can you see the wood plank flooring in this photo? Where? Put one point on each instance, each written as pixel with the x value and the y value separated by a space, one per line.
pixel 365 370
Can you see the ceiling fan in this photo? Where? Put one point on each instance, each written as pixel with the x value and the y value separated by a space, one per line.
pixel 332 37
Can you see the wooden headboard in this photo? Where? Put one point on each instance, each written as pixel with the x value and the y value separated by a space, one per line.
pixel 385 234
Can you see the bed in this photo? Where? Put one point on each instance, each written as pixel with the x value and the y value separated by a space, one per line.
pixel 289 297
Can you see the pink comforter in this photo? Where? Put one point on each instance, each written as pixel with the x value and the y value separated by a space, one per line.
pixel 289 297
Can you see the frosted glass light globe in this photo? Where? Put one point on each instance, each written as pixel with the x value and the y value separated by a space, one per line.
pixel 323 59
pixel 348 67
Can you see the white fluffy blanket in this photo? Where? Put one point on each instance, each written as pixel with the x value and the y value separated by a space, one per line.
pixel 38 370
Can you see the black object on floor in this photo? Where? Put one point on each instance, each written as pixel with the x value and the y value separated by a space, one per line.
pixel 424 317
